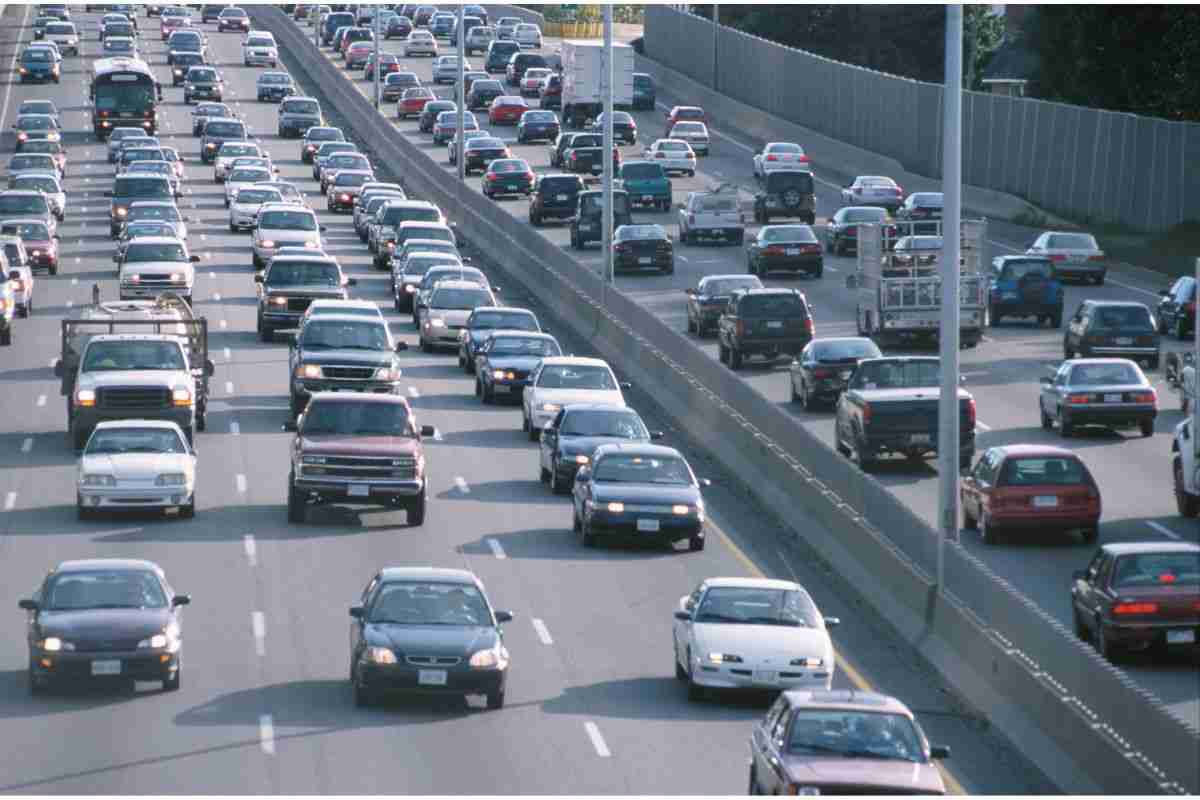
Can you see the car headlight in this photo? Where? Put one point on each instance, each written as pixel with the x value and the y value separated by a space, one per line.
pixel 178 277
pixel 410 288
pixel 724 658
pixel 492 658
pixel 309 371
pixel 85 397
pixel 380 655
pixel 312 244
pixel 584 460
pixel 807 662
pixel 98 480
pixel 805 790
pixel 551 407
pixel 122 212
pixel 437 323
pixel 616 508
pixel 53 644
pixel 681 510
pixel 171 479
pixel 181 397
pixel 387 374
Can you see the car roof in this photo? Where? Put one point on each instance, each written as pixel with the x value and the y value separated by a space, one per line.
pixel 362 397
pixel 287 207
pixel 1016 450
pixel 138 423
pixel 638 449
pixel 439 574
pixel 337 303
pixel 456 284
pixel 1116 303
pixel 574 361
pixel 753 583
pixel 1126 548
pixel 355 318
pixel 86 564
pixel 845 700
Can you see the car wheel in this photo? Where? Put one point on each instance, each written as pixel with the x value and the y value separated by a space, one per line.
pixel 988 532
pixel 416 512
pixel 680 672
pixel 495 700
pixel 295 502
pixel 695 692
pixel 557 486
pixel 489 394
pixel 188 511
pixel 735 358
pixel 172 684
pixel 1104 645
pixel 589 538
pixel 695 544
pixel 363 697
pixel 722 352
pixel 1147 427
pixel 1068 353
pixel 1081 630
pixel 1065 428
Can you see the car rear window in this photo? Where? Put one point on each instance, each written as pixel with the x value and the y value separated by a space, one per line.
pixel 1016 270
pixel 560 185
pixel 228 130
pixel 1049 471
pixel 782 181
pixel 1123 317
pixel 1105 374
pixel 141 187
pixel 643 172
pixel 1073 241
pixel 865 215
pixel 1156 569
pixel 772 305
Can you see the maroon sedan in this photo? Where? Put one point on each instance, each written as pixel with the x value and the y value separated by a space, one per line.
pixel 412 103
pixel 1030 487
pixel 1137 595
pixel 41 247
pixel 507 110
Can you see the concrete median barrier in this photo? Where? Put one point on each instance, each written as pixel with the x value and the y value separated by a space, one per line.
pixel 1077 718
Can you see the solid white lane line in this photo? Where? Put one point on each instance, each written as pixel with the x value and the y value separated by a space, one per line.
pixel 27 445
pixel 41 401
pixel 266 734
pixel 461 483
pixel 542 631
pixel 437 434
pixel 70 304
pixel 216 297
pixel 10 500
pixel 497 550
pixel 251 549
pixel 241 483
pixel 74 281
pixel 1163 529
pixel 412 392
pixel 593 733
pixel 234 428
pixel 228 387
pixel 258 622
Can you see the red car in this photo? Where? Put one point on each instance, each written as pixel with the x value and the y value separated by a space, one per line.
pixel 357 54
pixel 39 244
pixel 1030 487
pixel 169 25
pixel 507 109
pixel 413 102
pixel 1138 595
pixel 682 113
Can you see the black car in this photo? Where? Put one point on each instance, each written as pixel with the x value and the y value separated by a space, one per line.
pixel 216 133
pixel 315 137
pixel 763 322
pixel 206 111
pixel 429 631
pixel 820 374
pixel 407 276
pixel 519 62
pixel 181 61
pixel 642 247
pixel 104 618
pixel 644 492
pixel 395 84
pixel 785 248
pixel 202 82
pixel 429 114
pixel 482 151
pixel 585 227
pixel 708 298
pixel 571 438
pixel 482 322
pixel 1112 329
pixel 398 27
pixel 786 193
pixel 1176 311
pixel 274 86
pixel 624 127
pixel 505 361
pixel 498 54
pixel 566 140
pixel 537 124
pixel 555 196
pixel 482 93
pixel 841 232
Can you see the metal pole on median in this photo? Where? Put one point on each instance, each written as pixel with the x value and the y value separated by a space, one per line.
pixel 716 38
pixel 948 412
pixel 462 95
pixel 1195 380
pixel 376 17
pixel 606 83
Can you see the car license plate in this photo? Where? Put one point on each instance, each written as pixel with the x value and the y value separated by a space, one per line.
pixel 1044 501
pixel 1124 341
pixel 431 677
pixel 765 676
pixel 106 667
pixel 647 198
pixel 1181 637
pixel 645 260
pixel 648 525
pixel 1112 398
pixel 1010 295
pixel 359 491
pixel 775 324
pixel 792 251
pixel 920 438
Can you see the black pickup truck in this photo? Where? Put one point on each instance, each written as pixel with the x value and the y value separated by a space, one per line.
pixel 890 406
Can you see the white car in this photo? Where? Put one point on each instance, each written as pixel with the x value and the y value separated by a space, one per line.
pixel 158 210
pixel 529 36
pixel 259 162
pixel 751 633
pixel 64 35
pixel 675 155
pixel 694 133
pixel 563 380
pixel 289 191
pixel 259 49
pixel 280 225
pixel 245 203
pixel 20 277
pixel 156 264
pixel 780 155
pixel 874 190
pixel 478 39
pixel 48 184
pixel 228 152
pixel 420 43
pixel 241 177
pixel 324 307
pixel 446 312
pixel 1075 255
pixel 136 463
pixel 506 26
pixel 445 69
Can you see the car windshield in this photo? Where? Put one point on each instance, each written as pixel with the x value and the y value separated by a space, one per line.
pixel 133 355
pixel 197 74
pixel 490 320
pixel 37 183
pixel 258 197
pixel 603 422
pixel 100 589
pixel 827 352
pixel 864 215
pixel 42 146
pixel 924 374
pixel 143 229
pixel 627 233
pixel 344 335
pixel 674 147
pixel 350 179
pixel 727 286
pixel 1157 569
pixel 524 346
pixel 288 221
pixel 139 253
pixel 304 273
pixel 1048 471
pixel 260 41
pixel 1016 270
pixel 862 734
pixel 301 107
pixel 1123 317
pixel 356 418
pixel 626 468
pixel 1105 375
pixel 747 605
pixel 33 231
pixel 772 305
pixel 211 110
pixel 323 135
pixel 248 176
pixel 788 233
pixel 412 603
pixel 32 161
pixel 440 233
pixel 576 376
pixel 456 299
pixel 36 123
pixel 134 440
pixel 18 205
pixel 155 212
pixel 1073 241
pixel 153 167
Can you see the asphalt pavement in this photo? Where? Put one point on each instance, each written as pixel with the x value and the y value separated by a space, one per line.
pixel 265 705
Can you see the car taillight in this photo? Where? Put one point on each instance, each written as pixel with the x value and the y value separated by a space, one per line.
pixel 774 250
pixel 899 191
pixel 1079 399
pixel 1096 258
pixel 803 159
pixel 1135 608
pixel 811 248
pixel 490 176
pixel 810 327
pixel 866 413
pixel 823 373
pixel 971 413
pixel 1058 257
pixel 1146 397
pixel 772 158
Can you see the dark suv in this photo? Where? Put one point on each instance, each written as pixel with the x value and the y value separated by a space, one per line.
pixel 1177 309
pixel 554 196
pixel 519 62
pixel 1112 329
pixel 1025 286
pixel 498 54
pixel 483 93
pixel 785 193
pixel 763 322
pixel 586 226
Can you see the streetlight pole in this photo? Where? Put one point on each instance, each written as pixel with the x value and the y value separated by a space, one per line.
pixel 459 149
pixel 948 406
pixel 716 39
pixel 317 28
pixel 376 17
pixel 606 84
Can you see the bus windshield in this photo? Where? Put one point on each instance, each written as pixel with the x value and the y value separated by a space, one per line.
pixel 124 92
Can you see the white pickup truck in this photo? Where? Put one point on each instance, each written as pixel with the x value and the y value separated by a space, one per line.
pixel 1180 372
pixel 711 215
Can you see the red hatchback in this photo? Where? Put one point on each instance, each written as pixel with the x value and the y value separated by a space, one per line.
pixel 507 109
pixel 412 103
pixel 1030 487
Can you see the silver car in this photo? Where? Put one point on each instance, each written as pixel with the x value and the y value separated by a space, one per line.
pixel 780 155
pixel 447 309
pixel 1075 255
pixel 245 203
pixel 1110 392
pixel 159 210
pixel 529 36
pixel 227 153
pixel 694 133
pixel 445 69
pixel 242 176
pixel 48 184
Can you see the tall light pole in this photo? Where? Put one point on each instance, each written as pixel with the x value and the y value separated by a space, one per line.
pixel 317 28
pixel 948 413
pixel 716 39
pixel 459 149
pixel 1195 384
pixel 376 17
pixel 606 86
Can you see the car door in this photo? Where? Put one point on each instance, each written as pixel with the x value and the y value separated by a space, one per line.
pixel 357 625
pixel 1074 332
pixel 977 485
pixel 548 442
pixel 1082 589
pixel 681 630
pixel 1100 594
pixel 771 740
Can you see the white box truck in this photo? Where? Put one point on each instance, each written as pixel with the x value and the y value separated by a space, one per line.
pixel 582 98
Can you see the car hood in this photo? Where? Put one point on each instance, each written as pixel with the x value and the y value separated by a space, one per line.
pixel 513 361
pixel 122 377
pixel 104 623
pixel 337 444
pixel 567 396
pixel 864 773
pixel 773 644
pixel 380 358
pixel 156 267
pixel 645 493
pixel 300 290
pixel 433 640
pixel 137 466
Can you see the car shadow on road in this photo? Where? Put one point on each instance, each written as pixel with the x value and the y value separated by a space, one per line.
pixel 517 491
pixel 16 702
pixel 1034 434
pixel 494 438
pixel 563 544
pixel 655 698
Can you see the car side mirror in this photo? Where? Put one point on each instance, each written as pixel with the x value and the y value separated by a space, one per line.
pixel 582 473
pixel 195 259
pixel 502 616
pixel 209 367
pixel 289 427
pixel 352 281
pixel 428 430
pixel 181 600
pixel 321 228
pixel 58 368
pixel 1045 380
pixel 654 435
pixel 358 612
pixel 705 483
pixel 939 751
pixel 683 616
pixel 401 347
pixel 257 278
pixel 832 622
pixel 27 604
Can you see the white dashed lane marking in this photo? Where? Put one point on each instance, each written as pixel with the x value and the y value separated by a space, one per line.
pixel 27 445
pixel 266 734
pixel 258 623
pixel 542 631
pixel 461 484
pixel 234 428
pixel 251 549
pixel 593 732
pixel 41 401
pixel 241 483
pixel 10 500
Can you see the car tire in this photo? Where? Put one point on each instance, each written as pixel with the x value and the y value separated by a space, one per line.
pixel 1104 645
pixel 495 701
pixel 735 358
pixel 363 697
pixel 863 461
pixel 1065 427
pixel 695 692
pixel 416 512
pixel 1100 280
pixel 295 503
pixel 695 544
pixel 722 352
pixel 1187 504
pixel 1146 426
pixel 680 672
pixel 589 538
pixel 557 486
pixel 988 532
pixel 172 684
